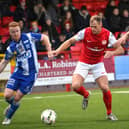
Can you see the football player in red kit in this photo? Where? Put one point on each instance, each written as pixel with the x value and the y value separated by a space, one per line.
pixel 95 40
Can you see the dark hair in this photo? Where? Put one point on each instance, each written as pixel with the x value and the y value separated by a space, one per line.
pixel 83 8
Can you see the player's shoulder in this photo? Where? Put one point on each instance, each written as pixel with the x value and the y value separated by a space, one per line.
pixel 32 34
pixel 12 43
pixel 25 34
pixel 88 29
pixel 105 30
pixel 12 46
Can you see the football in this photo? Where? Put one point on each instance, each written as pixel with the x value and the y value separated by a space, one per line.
pixel 48 116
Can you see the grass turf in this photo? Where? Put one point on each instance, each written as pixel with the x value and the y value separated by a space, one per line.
pixel 69 112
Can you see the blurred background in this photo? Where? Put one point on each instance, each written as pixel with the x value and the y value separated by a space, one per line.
pixel 61 19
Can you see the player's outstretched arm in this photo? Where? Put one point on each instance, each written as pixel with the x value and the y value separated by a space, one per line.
pixel 123 39
pixel 64 46
pixel 47 43
pixel 3 64
pixel 118 50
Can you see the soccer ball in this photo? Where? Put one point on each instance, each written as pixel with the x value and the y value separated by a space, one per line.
pixel 48 116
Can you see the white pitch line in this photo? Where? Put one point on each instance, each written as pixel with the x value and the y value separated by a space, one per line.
pixel 46 97
pixel 121 92
pixel 62 96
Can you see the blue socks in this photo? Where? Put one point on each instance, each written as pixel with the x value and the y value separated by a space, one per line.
pixel 13 107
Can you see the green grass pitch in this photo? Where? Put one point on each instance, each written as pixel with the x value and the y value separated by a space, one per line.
pixel 69 112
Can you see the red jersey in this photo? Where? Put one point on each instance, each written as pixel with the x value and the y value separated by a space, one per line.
pixel 94 46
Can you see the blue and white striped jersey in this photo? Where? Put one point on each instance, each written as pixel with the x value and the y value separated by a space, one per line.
pixel 26 55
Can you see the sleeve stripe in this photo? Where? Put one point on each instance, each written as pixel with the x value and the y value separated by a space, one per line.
pixel 9 50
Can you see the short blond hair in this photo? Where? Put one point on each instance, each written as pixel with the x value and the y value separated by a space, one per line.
pixel 96 18
pixel 14 24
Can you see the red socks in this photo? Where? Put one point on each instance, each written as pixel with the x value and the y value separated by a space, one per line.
pixel 82 91
pixel 107 98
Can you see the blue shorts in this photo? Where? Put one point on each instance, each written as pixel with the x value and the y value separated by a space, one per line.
pixel 23 83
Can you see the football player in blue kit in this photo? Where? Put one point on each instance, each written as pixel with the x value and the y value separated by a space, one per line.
pixel 25 73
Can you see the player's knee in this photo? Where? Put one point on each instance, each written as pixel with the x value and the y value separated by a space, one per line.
pixel 7 95
pixel 105 88
pixel 17 99
pixel 75 85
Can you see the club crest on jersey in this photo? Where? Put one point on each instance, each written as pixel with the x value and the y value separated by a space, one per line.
pixel 104 42
pixel 20 49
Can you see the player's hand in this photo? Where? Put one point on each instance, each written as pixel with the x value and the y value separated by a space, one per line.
pixel 108 54
pixel 50 55
pixel 55 53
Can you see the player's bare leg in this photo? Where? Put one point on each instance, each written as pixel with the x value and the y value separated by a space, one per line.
pixel 13 104
pixel 107 96
pixel 9 97
pixel 77 82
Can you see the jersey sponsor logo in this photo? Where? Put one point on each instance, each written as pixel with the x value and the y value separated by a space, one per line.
pixel 26 41
pixel 89 41
pixel 95 49
pixel 104 42
pixel 26 55
pixel 28 46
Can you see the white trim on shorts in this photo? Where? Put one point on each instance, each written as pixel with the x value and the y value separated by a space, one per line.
pixel 97 70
